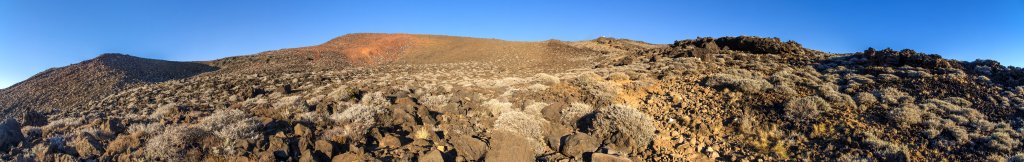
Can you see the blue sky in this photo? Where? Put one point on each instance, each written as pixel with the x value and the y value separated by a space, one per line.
pixel 40 34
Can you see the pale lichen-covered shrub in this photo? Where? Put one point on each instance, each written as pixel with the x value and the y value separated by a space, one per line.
pixel 574 112
pixel 906 115
pixel 618 76
pixel 530 126
pixel 595 85
pixel 291 105
pixel 173 142
pixel 435 101
pixel 887 78
pixel 839 100
pixel 63 123
pixel 231 124
pixel 356 119
pixel 537 87
pixel 806 108
pixel 626 128
pixel 312 117
pixel 535 108
pixel 893 96
pixel 866 99
pixel 1004 138
pixel 165 111
pixel 497 107
pixel 144 129
pixel 749 85
pixel 547 79
pixel 885 149
pixel 375 99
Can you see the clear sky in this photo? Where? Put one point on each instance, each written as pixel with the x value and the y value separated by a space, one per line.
pixel 40 34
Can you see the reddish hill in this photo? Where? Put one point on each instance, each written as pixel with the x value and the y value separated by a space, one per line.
pixel 372 49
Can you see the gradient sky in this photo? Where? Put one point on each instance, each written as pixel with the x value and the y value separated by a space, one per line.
pixel 40 34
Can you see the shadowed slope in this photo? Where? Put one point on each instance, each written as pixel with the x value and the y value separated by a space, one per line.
pixel 74 85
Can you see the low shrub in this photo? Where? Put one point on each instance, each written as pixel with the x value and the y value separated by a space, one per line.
pixel 806 108
pixel 626 128
pixel 748 85
pixel 173 142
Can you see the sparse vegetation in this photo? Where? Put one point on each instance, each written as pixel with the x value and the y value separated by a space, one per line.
pixel 806 108
pixel 696 100
pixel 624 127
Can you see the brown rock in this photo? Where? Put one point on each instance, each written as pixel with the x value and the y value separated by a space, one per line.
pixel 432 156
pixel 306 156
pixel 600 157
pixel 390 141
pixel 349 157
pixel 575 145
pixel 508 146
pixel 302 130
pixel 325 147
pixel 468 147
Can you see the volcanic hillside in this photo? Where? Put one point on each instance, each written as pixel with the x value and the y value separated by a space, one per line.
pixel 372 49
pixel 68 88
pixel 405 97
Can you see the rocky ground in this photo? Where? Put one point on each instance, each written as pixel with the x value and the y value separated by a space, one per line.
pixel 439 98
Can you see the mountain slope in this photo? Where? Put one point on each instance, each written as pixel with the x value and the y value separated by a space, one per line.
pixel 374 49
pixel 70 87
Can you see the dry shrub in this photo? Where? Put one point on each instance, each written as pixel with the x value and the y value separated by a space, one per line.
pixel 144 129
pixel 291 105
pixel 496 107
pixel 595 85
pixel 906 115
pixel 806 108
pixel 574 112
pixel 748 85
pixel 231 124
pixel 375 99
pixel 547 79
pixel 355 120
pixel 165 111
pixel 865 99
pixel 618 76
pixel 435 101
pixel 173 142
pixel 537 87
pixel 312 117
pixel 893 96
pixel 530 126
pixel 535 108
pixel 626 128
pixel 887 150
pixel 62 123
